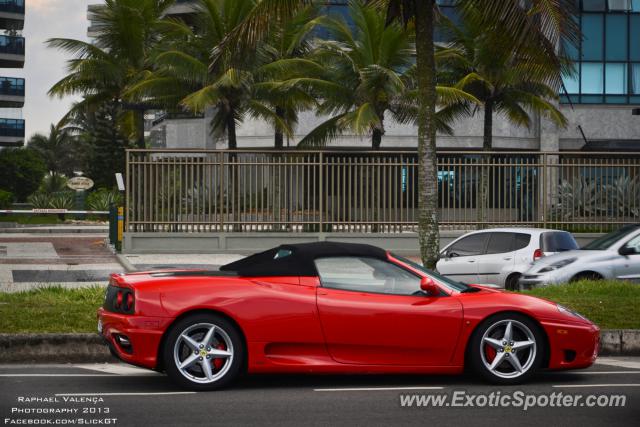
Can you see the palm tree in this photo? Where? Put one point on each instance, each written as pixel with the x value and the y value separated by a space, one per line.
pixel 55 149
pixel 101 72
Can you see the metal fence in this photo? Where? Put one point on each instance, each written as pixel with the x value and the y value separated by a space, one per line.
pixel 356 191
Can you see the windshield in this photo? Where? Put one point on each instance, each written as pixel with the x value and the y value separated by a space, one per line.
pixel 606 241
pixel 451 284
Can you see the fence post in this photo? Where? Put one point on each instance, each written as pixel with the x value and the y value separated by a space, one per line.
pixel 321 188
pixel 127 192
pixel 544 190
pixel 221 195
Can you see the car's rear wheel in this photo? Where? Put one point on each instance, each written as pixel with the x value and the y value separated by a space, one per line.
pixel 203 352
pixel 507 349
pixel 586 275
pixel 512 282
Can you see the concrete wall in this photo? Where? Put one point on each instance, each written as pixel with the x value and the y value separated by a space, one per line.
pixel 203 243
pixel 599 122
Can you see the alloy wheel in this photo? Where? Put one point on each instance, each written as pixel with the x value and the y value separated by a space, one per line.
pixel 508 349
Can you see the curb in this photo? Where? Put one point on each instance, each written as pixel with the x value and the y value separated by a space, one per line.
pixel 125 263
pixel 90 348
pixel 53 348
pixel 19 230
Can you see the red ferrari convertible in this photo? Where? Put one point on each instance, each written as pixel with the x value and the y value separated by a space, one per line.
pixel 334 308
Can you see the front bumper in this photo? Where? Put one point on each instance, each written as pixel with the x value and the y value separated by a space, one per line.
pixel 142 332
pixel 572 346
pixel 543 279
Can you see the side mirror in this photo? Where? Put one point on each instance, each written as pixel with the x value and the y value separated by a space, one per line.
pixel 427 285
pixel 627 250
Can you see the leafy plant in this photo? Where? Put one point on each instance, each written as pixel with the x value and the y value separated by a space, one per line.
pixel 6 199
pixel 624 195
pixel 62 200
pixel 578 199
pixel 53 183
pixel 40 200
pixel 102 199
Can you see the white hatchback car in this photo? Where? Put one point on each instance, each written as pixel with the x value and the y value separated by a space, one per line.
pixel 613 256
pixel 499 256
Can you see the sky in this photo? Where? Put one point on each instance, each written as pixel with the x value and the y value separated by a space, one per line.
pixel 44 66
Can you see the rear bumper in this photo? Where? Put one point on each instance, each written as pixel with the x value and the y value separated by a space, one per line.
pixel 572 346
pixel 143 333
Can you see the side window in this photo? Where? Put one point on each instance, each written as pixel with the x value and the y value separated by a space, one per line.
pixel 500 243
pixel 520 241
pixel 634 243
pixel 366 275
pixel 470 245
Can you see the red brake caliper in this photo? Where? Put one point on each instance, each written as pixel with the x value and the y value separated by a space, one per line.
pixel 490 353
pixel 217 363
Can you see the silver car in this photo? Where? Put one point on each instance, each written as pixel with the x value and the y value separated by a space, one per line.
pixel 499 256
pixel 613 256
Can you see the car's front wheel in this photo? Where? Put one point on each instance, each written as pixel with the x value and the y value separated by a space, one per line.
pixel 203 352
pixel 507 349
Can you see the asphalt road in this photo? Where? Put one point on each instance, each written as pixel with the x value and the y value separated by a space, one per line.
pixel 116 394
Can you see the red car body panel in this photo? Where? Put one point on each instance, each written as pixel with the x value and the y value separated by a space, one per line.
pixel 293 324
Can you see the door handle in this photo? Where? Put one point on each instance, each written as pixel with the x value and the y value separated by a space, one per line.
pixel 472 260
pixel 507 259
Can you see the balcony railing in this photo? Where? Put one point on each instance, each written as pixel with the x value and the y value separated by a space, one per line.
pixel 12 45
pixel 12 128
pixel 10 86
pixel 365 192
pixel 12 6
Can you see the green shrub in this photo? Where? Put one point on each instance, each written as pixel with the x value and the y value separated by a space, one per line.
pixel 40 200
pixel 63 200
pixel 102 199
pixel 6 199
pixel 53 183
pixel 21 171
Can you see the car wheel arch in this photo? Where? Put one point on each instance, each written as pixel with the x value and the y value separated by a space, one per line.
pixel 587 273
pixel 547 347
pixel 159 352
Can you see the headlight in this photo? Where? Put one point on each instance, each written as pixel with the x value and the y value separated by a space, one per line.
pixel 565 310
pixel 557 265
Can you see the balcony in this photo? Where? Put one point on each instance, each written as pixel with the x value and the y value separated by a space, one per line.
pixel 11 132
pixel 11 52
pixel 11 92
pixel 12 14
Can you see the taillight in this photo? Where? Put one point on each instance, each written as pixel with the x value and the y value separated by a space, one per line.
pixel 119 299
pixel 129 304
pixel 537 254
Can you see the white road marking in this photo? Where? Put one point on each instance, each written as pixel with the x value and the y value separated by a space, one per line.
pixel 617 362
pixel 115 368
pixel 594 385
pixel 598 372
pixel 163 393
pixel 377 388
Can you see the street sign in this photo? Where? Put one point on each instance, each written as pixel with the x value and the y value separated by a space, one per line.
pixel 80 183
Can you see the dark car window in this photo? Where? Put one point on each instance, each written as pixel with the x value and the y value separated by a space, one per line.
pixel 604 242
pixel 470 245
pixel 521 241
pixel 557 241
pixel 366 275
pixel 500 243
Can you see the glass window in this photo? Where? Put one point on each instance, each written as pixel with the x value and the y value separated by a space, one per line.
pixel 521 241
pixel 470 245
pixel 500 243
pixel 635 5
pixel 634 38
pixel 635 79
pixel 616 37
pixel 451 284
pixel 557 242
pixel 616 83
pixel 592 78
pixel 594 5
pixel 607 240
pixel 366 275
pixel 619 5
pixel 571 83
pixel 634 243
pixel 592 30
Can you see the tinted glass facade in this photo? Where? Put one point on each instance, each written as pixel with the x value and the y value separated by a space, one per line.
pixel 608 59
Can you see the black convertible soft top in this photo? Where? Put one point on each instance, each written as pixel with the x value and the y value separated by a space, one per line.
pixel 298 259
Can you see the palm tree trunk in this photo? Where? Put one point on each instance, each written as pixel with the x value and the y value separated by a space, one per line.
pixel 428 233
pixel 231 132
pixel 376 139
pixel 482 207
pixel 234 197
pixel 139 119
pixel 278 142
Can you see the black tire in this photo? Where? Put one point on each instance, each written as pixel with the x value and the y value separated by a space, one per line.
pixel 476 356
pixel 511 284
pixel 196 321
